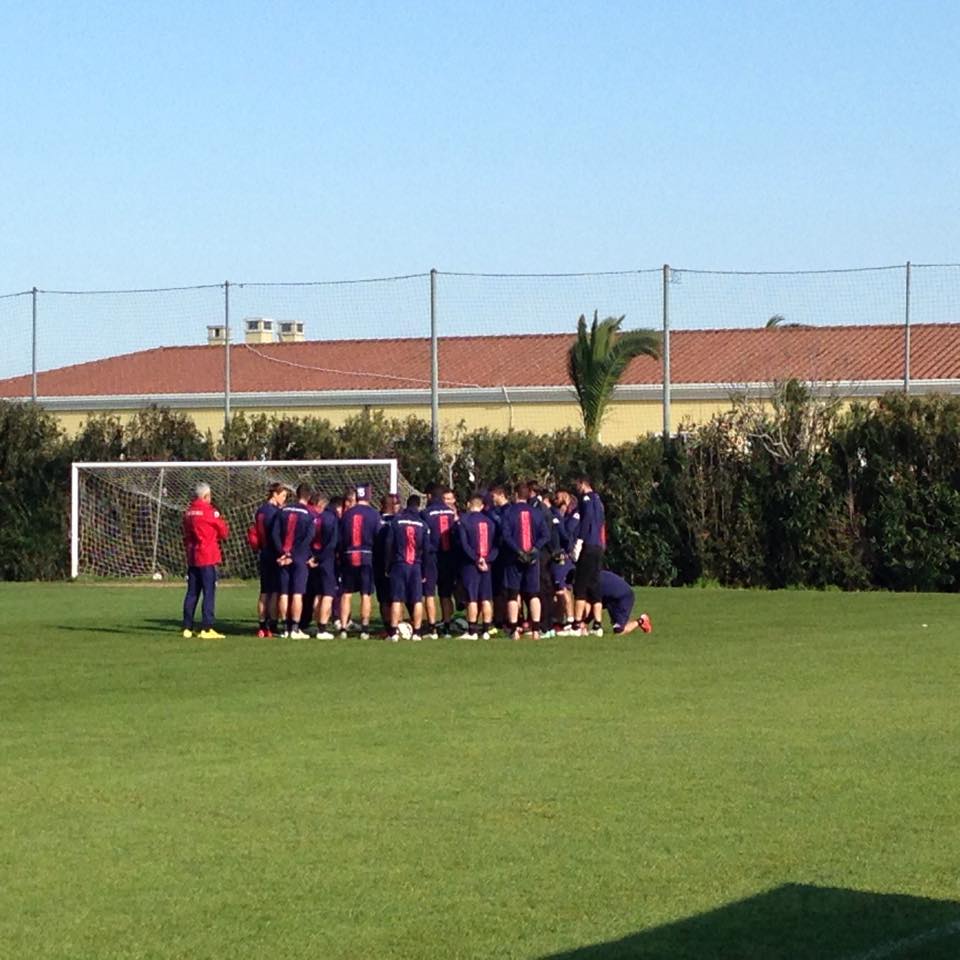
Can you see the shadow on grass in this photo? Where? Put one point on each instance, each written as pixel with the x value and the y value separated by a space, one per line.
pixel 798 922
pixel 173 625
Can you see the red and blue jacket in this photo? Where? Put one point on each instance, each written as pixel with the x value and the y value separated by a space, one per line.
pixel 203 529
pixel 408 538
pixel 326 533
pixel 478 537
pixel 442 522
pixel 263 521
pixel 292 532
pixel 358 532
pixel 522 528
pixel 592 530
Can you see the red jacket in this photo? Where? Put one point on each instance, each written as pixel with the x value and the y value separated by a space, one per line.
pixel 203 529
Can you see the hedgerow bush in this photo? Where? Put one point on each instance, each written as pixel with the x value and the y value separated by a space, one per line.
pixel 790 493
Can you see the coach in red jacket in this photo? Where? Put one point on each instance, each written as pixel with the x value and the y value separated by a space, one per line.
pixel 203 529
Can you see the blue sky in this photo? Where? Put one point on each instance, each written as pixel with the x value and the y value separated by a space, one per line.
pixel 149 144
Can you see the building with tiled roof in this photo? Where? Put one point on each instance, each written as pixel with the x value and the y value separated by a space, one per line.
pixel 501 382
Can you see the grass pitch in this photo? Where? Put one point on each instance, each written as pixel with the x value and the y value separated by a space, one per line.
pixel 768 775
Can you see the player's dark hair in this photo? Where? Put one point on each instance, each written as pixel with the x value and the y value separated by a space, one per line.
pixel 432 490
pixel 274 489
pixel 413 502
pixel 335 502
pixel 498 488
pixel 317 497
pixel 387 501
pixel 522 491
pixel 584 478
pixel 475 497
pixel 304 491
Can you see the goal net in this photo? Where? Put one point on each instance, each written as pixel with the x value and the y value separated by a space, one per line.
pixel 126 518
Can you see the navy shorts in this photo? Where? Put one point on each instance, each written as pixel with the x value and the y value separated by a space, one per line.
pixel 430 574
pixel 620 611
pixel 325 580
pixel 496 576
pixel 446 573
pixel 586 577
pixel 269 574
pixel 477 584
pixel 357 579
pixel 381 582
pixel 562 574
pixel 293 578
pixel 406 583
pixel 522 578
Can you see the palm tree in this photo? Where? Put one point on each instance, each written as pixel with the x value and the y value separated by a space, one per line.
pixel 597 360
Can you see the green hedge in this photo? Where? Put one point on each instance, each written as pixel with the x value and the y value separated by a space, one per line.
pixel 795 493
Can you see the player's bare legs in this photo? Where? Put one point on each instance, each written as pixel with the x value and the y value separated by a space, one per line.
pixel 346 599
pixel 324 611
pixel 366 605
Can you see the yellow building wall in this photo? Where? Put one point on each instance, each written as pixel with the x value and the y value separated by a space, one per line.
pixel 626 420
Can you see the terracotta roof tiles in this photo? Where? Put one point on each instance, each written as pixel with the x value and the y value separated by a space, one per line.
pixel 697 356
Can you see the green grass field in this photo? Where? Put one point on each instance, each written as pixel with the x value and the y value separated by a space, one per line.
pixel 768 775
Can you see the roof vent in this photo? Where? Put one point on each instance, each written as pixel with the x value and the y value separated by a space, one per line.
pixel 216 334
pixel 291 331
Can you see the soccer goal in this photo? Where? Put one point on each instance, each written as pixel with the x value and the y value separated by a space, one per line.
pixel 126 517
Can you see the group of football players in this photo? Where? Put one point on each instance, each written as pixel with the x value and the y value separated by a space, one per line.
pixel 524 561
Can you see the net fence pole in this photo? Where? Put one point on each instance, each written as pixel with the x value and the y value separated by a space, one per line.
pixel 226 357
pixel 666 352
pixel 434 366
pixel 906 331
pixel 33 346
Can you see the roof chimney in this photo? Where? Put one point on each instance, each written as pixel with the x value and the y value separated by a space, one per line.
pixel 291 331
pixel 258 330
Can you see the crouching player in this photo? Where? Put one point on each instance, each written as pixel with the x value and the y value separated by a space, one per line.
pixel 407 540
pixel 479 550
pixel 617 598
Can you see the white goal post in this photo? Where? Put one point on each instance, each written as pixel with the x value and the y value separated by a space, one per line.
pixel 125 517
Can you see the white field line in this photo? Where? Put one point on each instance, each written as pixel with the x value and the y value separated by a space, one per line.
pixel 895 947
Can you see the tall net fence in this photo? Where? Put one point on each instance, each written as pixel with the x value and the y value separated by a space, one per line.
pixel 128 517
pixel 935 293
pixel 16 329
pixel 505 305
pixel 380 338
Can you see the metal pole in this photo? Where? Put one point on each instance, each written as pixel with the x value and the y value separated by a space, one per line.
pixel 226 354
pixel 906 333
pixel 434 366
pixel 666 352
pixel 33 353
